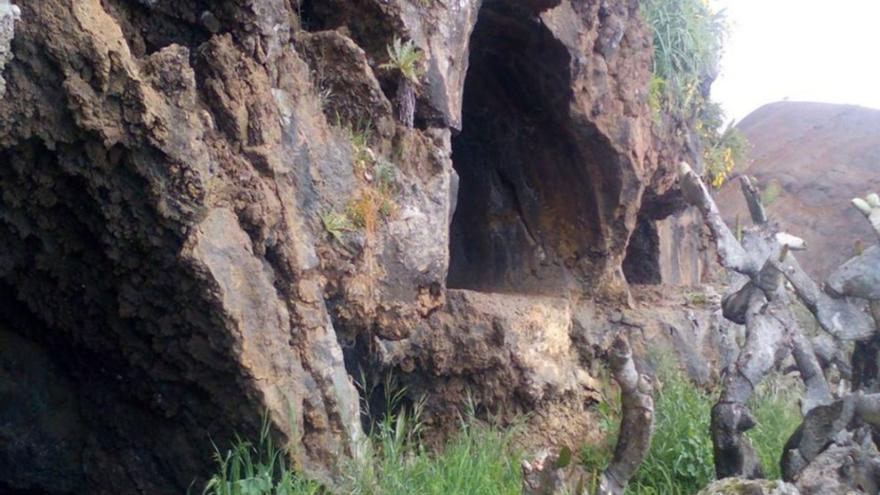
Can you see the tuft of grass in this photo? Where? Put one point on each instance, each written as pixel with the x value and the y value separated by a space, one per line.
pixel 257 469
pixel 656 98
pixel 405 58
pixel 697 299
pixel 359 135
pixel 374 201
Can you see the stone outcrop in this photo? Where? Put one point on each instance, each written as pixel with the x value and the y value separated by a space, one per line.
pixel 811 156
pixel 199 225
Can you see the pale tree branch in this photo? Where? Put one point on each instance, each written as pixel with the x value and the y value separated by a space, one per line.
pixel 838 317
pixel 637 422
pixel 731 254
pixel 870 207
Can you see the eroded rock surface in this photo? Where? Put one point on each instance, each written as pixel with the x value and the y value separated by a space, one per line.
pixel 170 172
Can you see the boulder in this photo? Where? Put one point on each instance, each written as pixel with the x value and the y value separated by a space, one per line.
pixel 735 486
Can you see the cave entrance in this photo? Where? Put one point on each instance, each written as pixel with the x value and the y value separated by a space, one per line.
pixel 642 262
pixel 527 218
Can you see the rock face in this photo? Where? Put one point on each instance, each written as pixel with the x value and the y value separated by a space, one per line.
pixel 813 155
pixel 199 226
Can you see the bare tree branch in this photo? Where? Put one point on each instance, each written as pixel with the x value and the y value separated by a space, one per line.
pixel 637 423
pixel 731 254
pixel 838 317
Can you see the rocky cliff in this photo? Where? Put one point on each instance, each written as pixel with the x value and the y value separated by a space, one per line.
pixel 810 158
pixel 210 211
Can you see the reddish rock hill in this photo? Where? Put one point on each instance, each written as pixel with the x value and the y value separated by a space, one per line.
pixel 820 156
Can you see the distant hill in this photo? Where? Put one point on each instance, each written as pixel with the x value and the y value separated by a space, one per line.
pixel 817 157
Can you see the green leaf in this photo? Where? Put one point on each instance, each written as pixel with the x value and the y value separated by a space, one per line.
pixel 564 458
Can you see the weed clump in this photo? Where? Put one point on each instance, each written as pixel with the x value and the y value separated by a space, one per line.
pixel 680 459
pixel 688 40
pixel 480 458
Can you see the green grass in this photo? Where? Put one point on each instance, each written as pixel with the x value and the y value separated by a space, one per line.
pixel 256 469
pixel 680 459
pixel 775 406
pixel 770 193
pixel 482 459
pixel 688 37
pixel 479 459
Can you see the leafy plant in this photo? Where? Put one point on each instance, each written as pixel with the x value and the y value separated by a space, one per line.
pixel 335 224
pixel 688 37
pixel 723 148
pixel 405 58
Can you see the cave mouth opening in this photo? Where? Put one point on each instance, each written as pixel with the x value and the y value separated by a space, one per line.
pixel 533 178
pixel 642 262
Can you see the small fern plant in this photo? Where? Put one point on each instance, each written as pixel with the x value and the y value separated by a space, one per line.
pixel 405 59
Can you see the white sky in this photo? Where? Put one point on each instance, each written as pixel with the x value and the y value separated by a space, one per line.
pixel 802 50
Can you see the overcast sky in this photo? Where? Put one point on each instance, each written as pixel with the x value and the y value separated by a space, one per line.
pixel 804 50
